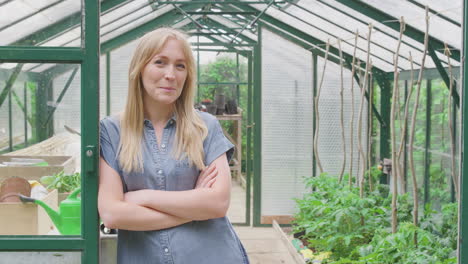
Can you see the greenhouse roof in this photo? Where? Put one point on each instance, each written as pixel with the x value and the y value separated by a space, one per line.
pixel 233 25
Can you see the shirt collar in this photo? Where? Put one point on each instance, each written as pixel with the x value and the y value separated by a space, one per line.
pixel 171 121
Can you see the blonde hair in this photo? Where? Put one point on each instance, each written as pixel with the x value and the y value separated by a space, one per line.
pixel 190 128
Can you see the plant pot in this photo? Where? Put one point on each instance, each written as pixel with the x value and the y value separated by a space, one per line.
pixel 220 103
pixel 231 107
pixel 13 186
pixel 211 109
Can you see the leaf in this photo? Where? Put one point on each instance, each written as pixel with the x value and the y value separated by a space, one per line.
pixel 46 180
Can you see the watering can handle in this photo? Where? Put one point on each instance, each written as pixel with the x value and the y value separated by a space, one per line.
pixel 75 193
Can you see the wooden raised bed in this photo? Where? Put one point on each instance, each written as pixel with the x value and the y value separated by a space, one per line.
pixel 56 164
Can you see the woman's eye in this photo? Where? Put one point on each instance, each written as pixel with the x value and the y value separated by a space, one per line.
pixel 158 62
pixel 181 66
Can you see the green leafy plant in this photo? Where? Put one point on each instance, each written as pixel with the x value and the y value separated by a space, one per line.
pixel 62 182
pixel 390 248
pixel 333 218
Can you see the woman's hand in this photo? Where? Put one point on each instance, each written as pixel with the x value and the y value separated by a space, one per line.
pixel 207 177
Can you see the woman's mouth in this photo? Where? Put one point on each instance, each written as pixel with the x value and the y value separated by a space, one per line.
pixel 167 89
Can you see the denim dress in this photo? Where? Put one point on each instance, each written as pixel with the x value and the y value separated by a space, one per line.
pixel 212 241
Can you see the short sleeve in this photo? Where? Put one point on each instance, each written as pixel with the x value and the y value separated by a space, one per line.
pixel 108 146
pixel 216 143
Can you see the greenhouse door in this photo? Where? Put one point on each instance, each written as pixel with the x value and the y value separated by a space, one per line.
pixel 49 95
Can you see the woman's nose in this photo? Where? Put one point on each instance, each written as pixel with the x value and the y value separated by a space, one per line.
pixel 169 74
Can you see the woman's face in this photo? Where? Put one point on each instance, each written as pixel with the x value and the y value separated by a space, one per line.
pixel 164 76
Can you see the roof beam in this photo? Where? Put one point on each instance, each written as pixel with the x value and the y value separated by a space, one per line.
pixel 443 74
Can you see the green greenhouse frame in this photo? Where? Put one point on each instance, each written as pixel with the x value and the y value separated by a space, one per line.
pixel 242 35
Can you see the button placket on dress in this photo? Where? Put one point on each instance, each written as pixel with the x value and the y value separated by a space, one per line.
pixel 159 157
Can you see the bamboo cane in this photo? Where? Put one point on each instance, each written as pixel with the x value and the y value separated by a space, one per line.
pixel 413 126
pixel 369 131
pixel 353 71
pixel 364 85
pixel 343 139
pixel 317 115
pixel 395 167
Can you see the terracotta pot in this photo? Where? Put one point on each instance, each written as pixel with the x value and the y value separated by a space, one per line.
pixel 13 186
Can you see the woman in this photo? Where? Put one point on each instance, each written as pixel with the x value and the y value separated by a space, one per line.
pixel 164 175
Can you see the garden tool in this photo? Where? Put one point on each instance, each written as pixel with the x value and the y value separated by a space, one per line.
pixel 68 218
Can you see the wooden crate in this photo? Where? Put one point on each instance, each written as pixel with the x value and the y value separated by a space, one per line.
pixel 27 219
pixel 56 164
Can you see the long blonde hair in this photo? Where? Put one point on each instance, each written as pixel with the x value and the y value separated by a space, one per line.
pixel 190 128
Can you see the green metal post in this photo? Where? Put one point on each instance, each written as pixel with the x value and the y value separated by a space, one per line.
pixel 454 124
pixel 257 195
pixel 385 95
pixel 25 100
pixel 10 122
pixel 108 84
pixel 427 154
pixel 238 78
pixel 89 131
pixel 463 210
pixel 314 114
pixel 198 69
pixel 249 137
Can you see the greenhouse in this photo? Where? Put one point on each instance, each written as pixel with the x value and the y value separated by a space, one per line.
pixel 347 116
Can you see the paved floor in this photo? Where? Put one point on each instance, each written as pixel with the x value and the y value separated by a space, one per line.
pixel 263 244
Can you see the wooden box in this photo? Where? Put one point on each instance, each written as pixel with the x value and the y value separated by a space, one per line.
pixel 56 164
pixel 27 219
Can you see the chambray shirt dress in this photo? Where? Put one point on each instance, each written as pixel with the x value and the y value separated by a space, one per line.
pixel 211 241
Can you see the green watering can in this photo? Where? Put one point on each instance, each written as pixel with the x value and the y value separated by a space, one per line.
pixel 68 218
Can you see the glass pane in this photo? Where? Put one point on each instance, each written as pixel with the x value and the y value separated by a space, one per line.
pixel 41 257
pixel 451 9
pixel 39 138
pixel 286 124
pixel 119 64
pixel 20 19
pixel 415 16
pixel 383 62
pixel 385 40
pixel 131 21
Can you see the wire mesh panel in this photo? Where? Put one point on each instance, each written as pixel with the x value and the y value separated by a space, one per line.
pixel 20 98
pixel 286 123
pixel 330 147
pixel 67 112
pixel 119 63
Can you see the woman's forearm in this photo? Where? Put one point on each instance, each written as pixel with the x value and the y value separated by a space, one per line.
pixel 128 216
pixel 197 204
pixel 202 203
